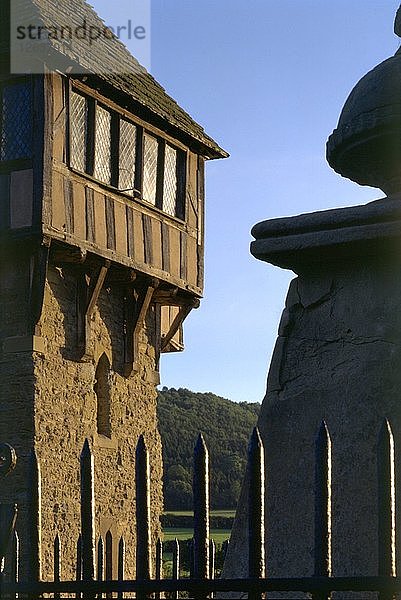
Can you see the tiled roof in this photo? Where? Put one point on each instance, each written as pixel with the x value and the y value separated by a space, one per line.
pixel 120 69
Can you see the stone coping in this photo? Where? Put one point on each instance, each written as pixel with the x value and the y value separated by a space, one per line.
pixel 310 239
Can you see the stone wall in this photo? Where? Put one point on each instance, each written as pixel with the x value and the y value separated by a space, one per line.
pixel 55 405
pixel 336 358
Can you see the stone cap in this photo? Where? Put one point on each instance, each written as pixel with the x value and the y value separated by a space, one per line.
pixel 311 240
pixel 365 145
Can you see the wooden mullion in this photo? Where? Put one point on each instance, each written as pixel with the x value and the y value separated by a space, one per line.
pixel 68 94
pixel 139 161
pixel 181 172
pixel 90 135
pixel 161 153
pixel 115 149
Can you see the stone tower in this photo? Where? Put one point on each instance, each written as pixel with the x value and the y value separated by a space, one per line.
pixel 338 353
pixel 101 234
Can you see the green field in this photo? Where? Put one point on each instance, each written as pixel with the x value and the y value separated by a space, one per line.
pixel 218 535
pixel 189 513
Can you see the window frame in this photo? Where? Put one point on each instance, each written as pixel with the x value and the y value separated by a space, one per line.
pixel 117 115
pixel 17 164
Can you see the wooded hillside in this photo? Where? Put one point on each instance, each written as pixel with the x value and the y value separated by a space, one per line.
pixel 226 427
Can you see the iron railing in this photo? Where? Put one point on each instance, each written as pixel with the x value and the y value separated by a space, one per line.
pixel 91 581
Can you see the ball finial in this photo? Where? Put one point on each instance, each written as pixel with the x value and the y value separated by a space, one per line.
pixel 397 23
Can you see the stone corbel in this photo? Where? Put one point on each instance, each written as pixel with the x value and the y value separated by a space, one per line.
pixel 87 297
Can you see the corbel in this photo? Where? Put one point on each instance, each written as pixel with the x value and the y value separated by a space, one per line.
pixel 137 302
pixel 87 297
pixel 39 266
pixel 178 321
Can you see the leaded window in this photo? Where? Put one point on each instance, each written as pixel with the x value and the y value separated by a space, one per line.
pixel 16 121
pixel 170 181
pixel 150 154
pixel 117 152
pixel 78 125
pixel 102 169
pixel 127 156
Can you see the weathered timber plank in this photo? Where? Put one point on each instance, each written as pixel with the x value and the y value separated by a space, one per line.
pixel 110 223
pixel 4 201
pixel 79 207
pixel 21 199
pixel 121 233
pixel 192 260
pixel 90 214
pixel 58 208
pixel 165 247
pixel 183 253
pixel 130 231
pixel 147 239
pixel 175 252
pixel 139 247
pixel 100 219
pixel 156 244
pixel 68 206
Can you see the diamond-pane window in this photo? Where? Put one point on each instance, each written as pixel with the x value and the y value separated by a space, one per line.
pixel 127 156
pixel 16 122
pixel 170 181
pixel 102 170
pixel 78 126
pixel 150 151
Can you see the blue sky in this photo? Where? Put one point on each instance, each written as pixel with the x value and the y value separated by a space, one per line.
pixel 267 79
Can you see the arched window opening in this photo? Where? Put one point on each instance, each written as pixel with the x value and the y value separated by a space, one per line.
pixel 102 391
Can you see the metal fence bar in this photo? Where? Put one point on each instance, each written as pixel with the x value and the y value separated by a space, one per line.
pixel 143 535
pixel 212 558
pixel 100 559
pixel 57 563
pixel 201 510
pixel 322 551
pixel 191 559
pixel 256 510
pixel 175 575
pixel 34 517
pixel 8 517
pixel 205 586
pixel 87 515
pixel 386 505
pixel 14 567
pixel 121 564
pixel 159 565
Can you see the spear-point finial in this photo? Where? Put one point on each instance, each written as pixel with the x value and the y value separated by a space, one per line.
pixel 397 22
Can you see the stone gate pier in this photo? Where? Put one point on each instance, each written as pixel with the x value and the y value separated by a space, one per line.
pixel 338 353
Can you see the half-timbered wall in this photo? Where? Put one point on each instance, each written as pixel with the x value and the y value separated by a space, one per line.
pixel 98 218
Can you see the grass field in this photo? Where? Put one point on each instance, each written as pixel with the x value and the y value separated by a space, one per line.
pixel 218 535
pixel 213 513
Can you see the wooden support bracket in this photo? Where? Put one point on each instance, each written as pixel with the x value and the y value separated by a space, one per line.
pixel 178 321
pixel 87 297
pixel 137 302
pixel 39 265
